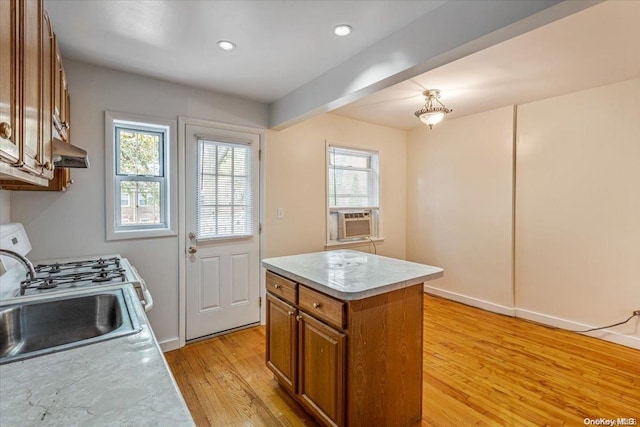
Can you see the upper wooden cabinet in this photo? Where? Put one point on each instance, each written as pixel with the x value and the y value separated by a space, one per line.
pixel 9 116
pixel 32 74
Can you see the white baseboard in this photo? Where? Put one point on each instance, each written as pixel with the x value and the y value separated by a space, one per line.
pixel 474 302
pixel 605 334
pixel 168 345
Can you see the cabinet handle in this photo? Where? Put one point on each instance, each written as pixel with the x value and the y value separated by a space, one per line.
pixel 277 286
pixel 5 130
pixel 70 182
pixel 298 317
pixel 48 166
pixel 65 125
pixel 316 305
pixel 290 313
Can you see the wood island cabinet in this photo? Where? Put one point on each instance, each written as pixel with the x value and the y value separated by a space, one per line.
pixel 32 93
pixel 348 363
pixel 282 342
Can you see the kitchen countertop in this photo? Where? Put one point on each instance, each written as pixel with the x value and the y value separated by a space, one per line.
pixel 351 275
pixel 122 381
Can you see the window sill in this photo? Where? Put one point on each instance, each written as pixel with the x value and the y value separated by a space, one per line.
pixel 335 244
pixel 140 234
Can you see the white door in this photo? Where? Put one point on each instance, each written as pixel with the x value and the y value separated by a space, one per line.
pixel 222 214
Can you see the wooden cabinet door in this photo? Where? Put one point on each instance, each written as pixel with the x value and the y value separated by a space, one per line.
pixel 282 342
pixel 46 109
pixel 322 362
pixel 9 150
pixel 31 35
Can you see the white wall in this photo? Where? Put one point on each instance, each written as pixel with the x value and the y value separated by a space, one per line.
pixel 5 206
pixel 578 210
pixel 73 223
pixel 296 176
pixel 459 206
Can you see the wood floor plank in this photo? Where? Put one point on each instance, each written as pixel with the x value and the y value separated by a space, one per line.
pixel 480 368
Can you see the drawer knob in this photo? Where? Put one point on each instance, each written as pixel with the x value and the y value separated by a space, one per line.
pixel 298 317
pixel 316 305
pixel 277 286
pixel 5 130
pixel 290 313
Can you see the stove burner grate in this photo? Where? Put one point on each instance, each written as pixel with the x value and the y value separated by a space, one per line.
pixel 60 267
pixel 72 279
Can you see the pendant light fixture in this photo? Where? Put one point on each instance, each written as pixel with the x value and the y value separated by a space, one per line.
pixel 432 115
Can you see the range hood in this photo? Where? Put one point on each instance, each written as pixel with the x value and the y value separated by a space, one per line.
pixel 69 156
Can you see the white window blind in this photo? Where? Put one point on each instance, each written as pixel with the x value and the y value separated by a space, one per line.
pixel 224 195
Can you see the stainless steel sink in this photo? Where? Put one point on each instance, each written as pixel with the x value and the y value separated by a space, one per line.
pixel 33 328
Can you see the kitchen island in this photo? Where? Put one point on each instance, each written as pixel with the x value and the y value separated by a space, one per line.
pixel 123 381
pixel 344 335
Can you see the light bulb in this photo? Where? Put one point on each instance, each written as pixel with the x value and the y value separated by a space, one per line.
pixel 226 45
pixel 342 30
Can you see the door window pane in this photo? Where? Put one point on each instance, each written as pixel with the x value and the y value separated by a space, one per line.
pixel 224 194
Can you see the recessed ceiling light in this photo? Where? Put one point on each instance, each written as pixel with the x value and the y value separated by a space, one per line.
pixel 226 45
pixel 342 30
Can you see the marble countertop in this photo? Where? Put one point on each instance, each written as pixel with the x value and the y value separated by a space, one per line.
pixel 351 275
pixel 119 382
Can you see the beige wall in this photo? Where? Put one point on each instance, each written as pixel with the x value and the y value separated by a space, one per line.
pixel 295 165
pixel 5 206
pixel 459 206
pixel 578 207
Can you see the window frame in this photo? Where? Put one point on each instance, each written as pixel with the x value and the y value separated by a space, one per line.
pixel 374 188
pixel 167 176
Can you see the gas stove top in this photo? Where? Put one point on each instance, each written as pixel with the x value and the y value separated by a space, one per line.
pixel 62 274
pixel 76 273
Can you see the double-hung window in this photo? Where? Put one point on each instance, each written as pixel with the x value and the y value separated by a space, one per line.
pixel 352 186
pixel 140 176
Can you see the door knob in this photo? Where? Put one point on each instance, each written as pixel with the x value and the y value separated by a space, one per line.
pixel 192 236
pixel 5 130
pixel 192 250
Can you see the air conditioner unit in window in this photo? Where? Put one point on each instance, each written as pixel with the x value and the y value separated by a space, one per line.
pixel 354 224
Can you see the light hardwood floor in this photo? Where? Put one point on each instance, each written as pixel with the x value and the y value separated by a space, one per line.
pixel 480 368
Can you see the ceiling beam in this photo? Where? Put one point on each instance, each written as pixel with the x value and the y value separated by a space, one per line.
pixel 456 29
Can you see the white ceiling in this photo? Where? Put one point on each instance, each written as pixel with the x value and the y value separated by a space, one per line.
pixel 285 46
pixel 280 44
pixel 597 46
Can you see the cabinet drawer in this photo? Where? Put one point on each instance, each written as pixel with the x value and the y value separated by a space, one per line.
pixel 284 288
pixel 323 307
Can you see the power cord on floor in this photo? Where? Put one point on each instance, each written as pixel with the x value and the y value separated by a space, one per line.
pixel 635 313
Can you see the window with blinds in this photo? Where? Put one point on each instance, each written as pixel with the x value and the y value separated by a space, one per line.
pixel 352 189
pixel 353 178
pixel 224 195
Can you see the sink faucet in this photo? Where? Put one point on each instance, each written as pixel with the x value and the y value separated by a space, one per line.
pixel 31 273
